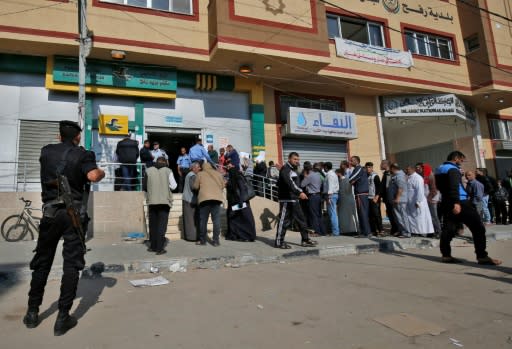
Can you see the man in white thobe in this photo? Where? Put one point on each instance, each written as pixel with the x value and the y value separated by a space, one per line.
pixel 418 213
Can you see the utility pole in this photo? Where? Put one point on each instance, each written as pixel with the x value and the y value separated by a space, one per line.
pixel 85 40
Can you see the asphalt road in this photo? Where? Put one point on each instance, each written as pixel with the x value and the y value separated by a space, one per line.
pixel 309 303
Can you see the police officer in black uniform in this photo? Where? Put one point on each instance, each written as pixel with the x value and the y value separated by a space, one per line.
pixel 79 166
pixel 457 209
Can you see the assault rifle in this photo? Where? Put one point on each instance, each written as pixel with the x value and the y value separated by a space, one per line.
pixel 74 214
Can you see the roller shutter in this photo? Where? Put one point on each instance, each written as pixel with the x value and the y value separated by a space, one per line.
pixel 316 150
pixel 33 136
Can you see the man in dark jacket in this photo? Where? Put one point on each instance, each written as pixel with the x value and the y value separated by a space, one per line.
pixel 457 209
pixel 127 152
pixel 145 154
pixel 289 195
pixel 384 188
pixel 359 180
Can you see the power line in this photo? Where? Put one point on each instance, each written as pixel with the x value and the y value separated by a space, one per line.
pixel 408 34
pixel 34 8
pixel 465 2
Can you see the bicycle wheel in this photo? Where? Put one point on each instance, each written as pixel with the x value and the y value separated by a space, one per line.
pixel 14 228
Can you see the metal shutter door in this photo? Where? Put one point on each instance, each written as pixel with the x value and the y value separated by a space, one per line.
pixel 33 136
pixel 316 150
pixel 434 155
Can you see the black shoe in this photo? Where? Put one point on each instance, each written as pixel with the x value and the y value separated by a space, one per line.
pixel 161 252
pixel 31 319
pixel 283 246
pixel 216 243
pixel 64 323
pixel 151 250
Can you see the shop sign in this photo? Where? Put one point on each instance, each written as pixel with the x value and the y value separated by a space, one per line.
pixel 393 6
pixel 316 122
pixel 173 120
pixel 373 54
pixel 121 75
pixel 209 138
pixel 427 105
pixel 113 124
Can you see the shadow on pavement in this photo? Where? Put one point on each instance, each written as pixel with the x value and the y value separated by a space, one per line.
pixel 495 278
pixel 89 291
pixel 9 275
pixel 506 270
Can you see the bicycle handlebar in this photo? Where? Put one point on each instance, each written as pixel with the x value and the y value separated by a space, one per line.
pixel 27 202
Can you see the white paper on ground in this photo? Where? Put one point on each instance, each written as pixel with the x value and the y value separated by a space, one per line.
pixel 157 281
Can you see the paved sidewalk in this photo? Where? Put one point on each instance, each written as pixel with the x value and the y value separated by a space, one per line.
pixel 120 255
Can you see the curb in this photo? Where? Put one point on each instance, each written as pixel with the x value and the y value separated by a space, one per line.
pixel 12 274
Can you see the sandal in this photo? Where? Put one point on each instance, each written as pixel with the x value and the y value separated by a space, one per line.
pixel 309 243
pixel 489 261
pixel 450 260
pixel 283 246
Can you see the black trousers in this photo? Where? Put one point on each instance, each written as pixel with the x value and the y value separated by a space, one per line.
pixel 363 212
pixel 50 232
pixel 290 212
pixel 181 181
pixel 391 217
pixel 452 224
pixel 315 213
pixel 500 209
pixel 205 209
pixel 158 218
pixel 375 216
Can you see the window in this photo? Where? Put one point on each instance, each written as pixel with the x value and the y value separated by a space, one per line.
pixel 472 43
pixel 429 45
pixel 501 129
pixel 294 101
pixel 355 30
pixel 178 6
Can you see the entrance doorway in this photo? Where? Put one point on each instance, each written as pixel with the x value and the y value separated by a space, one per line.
pixel 172 143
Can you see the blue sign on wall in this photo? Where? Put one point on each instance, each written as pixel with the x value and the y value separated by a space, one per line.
pixel 209 138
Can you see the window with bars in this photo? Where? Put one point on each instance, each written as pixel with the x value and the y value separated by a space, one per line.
pixel 429 45
pixel 501 129
pixel 359 30
pixel 286 101
pixel 177 6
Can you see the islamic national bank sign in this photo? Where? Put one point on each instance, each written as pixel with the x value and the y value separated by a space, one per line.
pixel 326 123
pixel 427 105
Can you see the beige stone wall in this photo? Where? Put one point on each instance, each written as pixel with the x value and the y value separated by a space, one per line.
pixel 435 71
pixel 367 145
pixel 271 145
pixel 117 212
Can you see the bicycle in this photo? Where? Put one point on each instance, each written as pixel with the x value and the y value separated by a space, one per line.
pixel 16 227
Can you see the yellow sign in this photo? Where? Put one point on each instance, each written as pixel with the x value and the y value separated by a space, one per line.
pixel 113 124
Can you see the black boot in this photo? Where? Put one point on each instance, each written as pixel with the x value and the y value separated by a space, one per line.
pixel 31 319
pixel 63 323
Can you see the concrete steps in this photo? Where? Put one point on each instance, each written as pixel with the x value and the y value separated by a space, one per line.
pixel 175 223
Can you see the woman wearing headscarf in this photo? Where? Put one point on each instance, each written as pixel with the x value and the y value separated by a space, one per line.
pixel 241 225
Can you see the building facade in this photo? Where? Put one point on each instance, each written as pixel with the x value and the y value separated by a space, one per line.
pixel 409 81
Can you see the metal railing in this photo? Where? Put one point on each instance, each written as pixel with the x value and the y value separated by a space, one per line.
pixel 16 176
pixel 264 186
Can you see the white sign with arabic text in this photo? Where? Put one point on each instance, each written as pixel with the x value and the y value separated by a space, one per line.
pixel 373 54
pixel 427 105
pixel 317 122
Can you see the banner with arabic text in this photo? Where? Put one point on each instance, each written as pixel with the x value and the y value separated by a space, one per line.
pixel 373 54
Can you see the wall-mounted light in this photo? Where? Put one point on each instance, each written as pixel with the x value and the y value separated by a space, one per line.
pixel 267 67
pixel 118 55
pixel 500 100
pixel 403 122
pixel 486 96
pixel 245 69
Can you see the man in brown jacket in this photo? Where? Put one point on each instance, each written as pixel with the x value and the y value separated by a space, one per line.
pixel 210 185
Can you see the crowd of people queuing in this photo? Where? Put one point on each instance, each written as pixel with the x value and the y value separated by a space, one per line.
pixel 351 195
